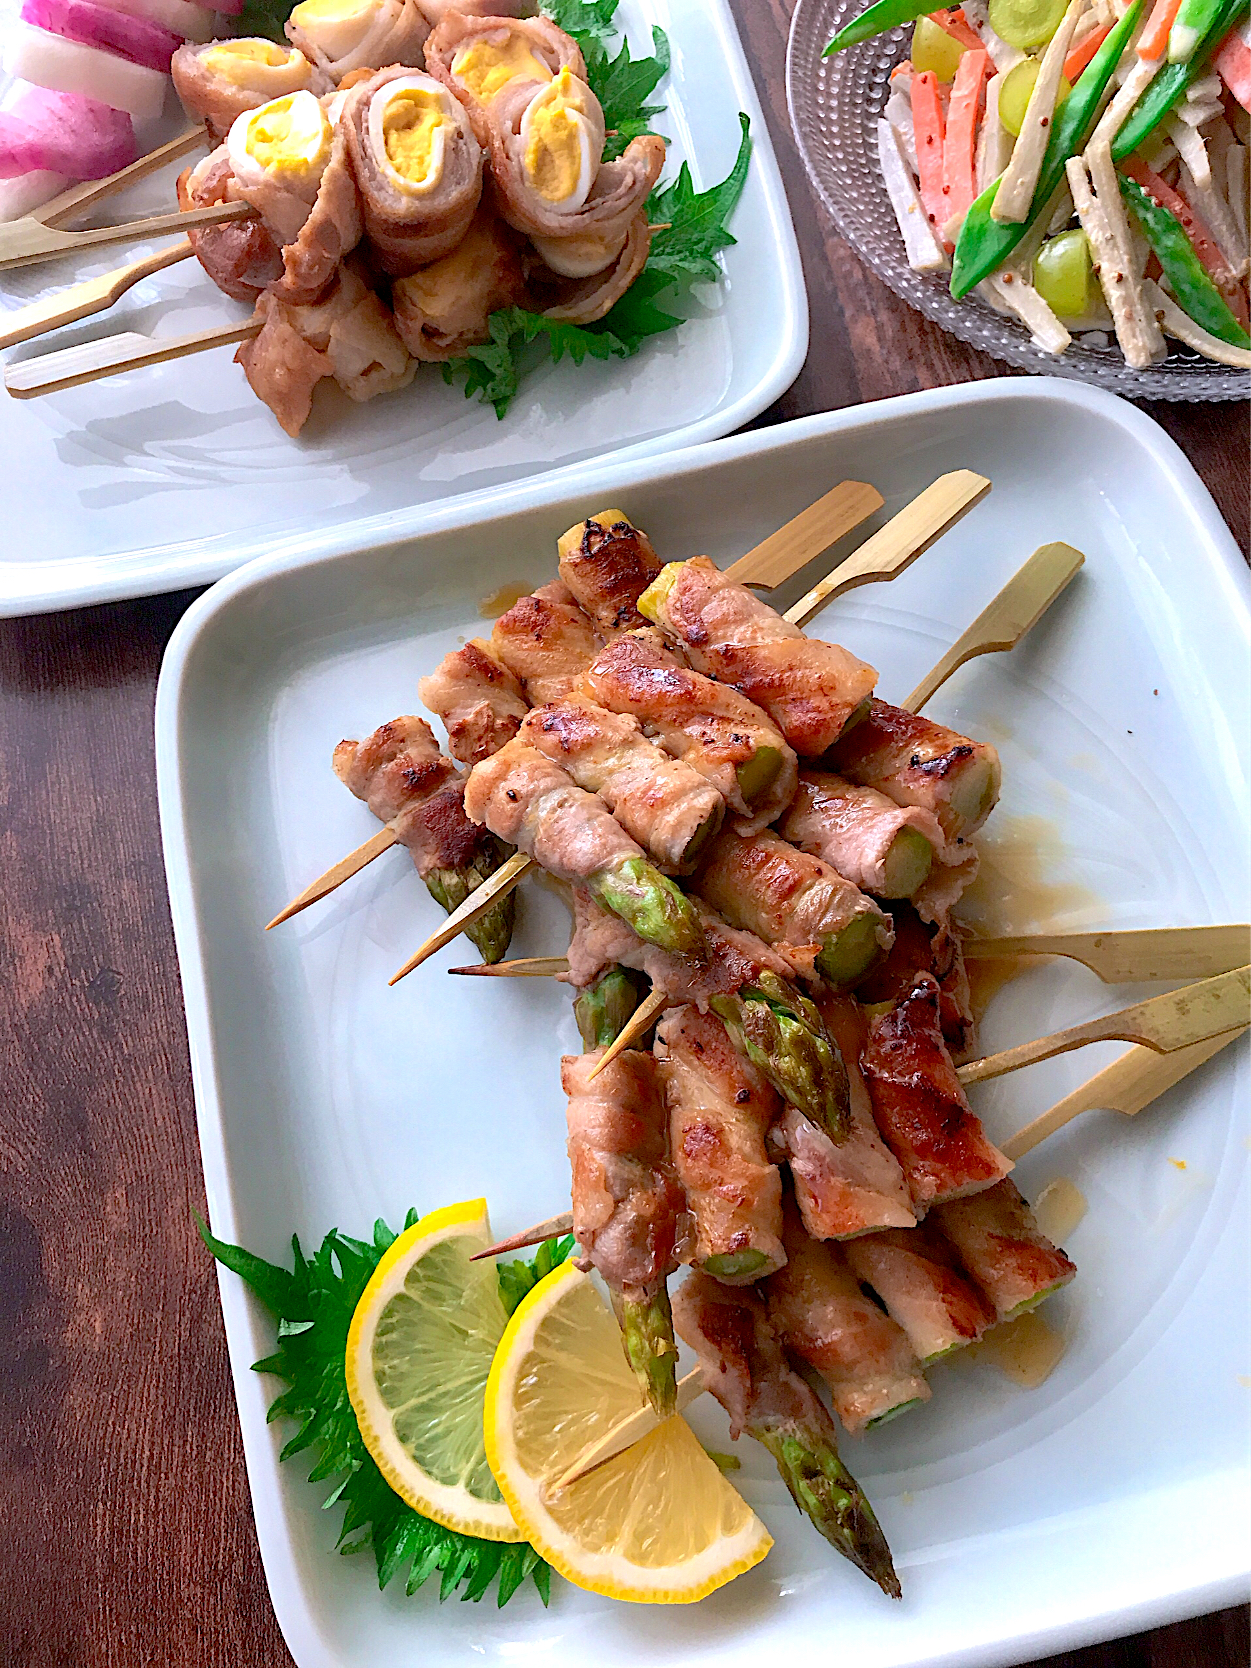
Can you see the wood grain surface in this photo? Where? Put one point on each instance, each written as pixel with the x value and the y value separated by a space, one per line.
pixel 128 1531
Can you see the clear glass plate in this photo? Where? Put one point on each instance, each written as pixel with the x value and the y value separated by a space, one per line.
pixel 834 104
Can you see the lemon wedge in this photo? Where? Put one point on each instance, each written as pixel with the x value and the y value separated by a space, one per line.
pixel 418 1353
pixel 657 1524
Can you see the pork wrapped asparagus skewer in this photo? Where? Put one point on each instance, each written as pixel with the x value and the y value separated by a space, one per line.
pixel 405 780
pixel 670 809
pixel 856 1185
pixel 628 1210
pixel 809 688
pixel 607 563
pixel 478 699
pixel 719 1109
pixel 786 896
pixel 711 726
pixel 885 848
pixel 546 642
pixel 821 1315
pixel 750 987
pixel 918 1277
pixel 922 948
pixel 744 1366
pixel 914 761
pixel 522 797
pixel 920 1106
pixel 1001 1245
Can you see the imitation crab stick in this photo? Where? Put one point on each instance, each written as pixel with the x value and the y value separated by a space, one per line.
pixel 929 127
pixel 960 143
pixel 1233 61
pixel 953 23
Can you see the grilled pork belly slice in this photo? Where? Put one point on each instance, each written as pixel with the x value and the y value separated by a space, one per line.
pixel 809 688
pixel 404 778
pixel 719 1108
pixel 479 701
pixel 921 948
pixel 547 643
pixel 607 563
pixel 885 848
pixel 1000 1244
pixel 919 1278
pixel 920 1107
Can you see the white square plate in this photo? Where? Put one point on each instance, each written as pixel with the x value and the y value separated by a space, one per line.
pixel 177 474
pixel 1112 1498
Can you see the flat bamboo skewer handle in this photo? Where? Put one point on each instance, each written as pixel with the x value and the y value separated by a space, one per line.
pixel 79 198
pixel 1122 958
pixel 26 242
pixel 93 295
pixel 805 536
pixel 50 373
pixel 1004 621
pixel 896 546
pixel 493 888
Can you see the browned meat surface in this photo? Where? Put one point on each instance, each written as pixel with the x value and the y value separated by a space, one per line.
pixel 607 563
pixel 215 99
pixel 241 257
pixel 331 230
pixel 852 827
pixel 1000 1244
pixel 547 643
pixel 445 307
pixel 583 298
pixel 450 59
pixel 479 701
pixel 919 1278
pixel 919 948
pixel 281 367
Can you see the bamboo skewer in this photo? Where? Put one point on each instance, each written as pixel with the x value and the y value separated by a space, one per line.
pixel 556 1227
pixel 1005 620
pixel 641 1020
pixel 70 367
pixel 481 899
pixel 93 295
pixel 343 870
pixel 806 536
pixel 1122 958
pixel 528 967
pixel 896 546
pixel 27 242
pixel 79 198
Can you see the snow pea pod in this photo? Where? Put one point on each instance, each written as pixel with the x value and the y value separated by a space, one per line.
pixel 1187 277
pixel 1169 87
pixel 984 243
pixel 886 14
pixel 1193 22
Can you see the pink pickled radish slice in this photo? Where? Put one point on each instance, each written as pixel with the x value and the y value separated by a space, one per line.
pixel 68 66
pixel 134 38
pixel 180 17
pixel 29 191
pixel 63 133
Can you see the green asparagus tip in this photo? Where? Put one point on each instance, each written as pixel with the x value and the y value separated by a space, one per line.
pixel 649 902
pixel 695 845
pixel 647 1333
pixel 491 933
pixel 783 1036
pixel 846 957
pixel 602 1011
pixel 755 776
pixel 735 1265
pixel 824 1489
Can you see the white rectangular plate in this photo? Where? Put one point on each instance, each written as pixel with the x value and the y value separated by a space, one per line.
pixel 177 474
pixel 1023 1522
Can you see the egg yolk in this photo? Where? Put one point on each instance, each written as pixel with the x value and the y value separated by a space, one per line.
pixel 410 125
pixel 290 136
pixel 233 59
pixel 554 149
pixel 484 68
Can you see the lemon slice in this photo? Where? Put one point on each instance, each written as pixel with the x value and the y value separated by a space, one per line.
pixel 657 1524
pixel 418 1353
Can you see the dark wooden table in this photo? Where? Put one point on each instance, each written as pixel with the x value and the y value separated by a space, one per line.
pixel 128 1535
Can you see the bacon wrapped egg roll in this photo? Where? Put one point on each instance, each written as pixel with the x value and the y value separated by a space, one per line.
pixel 446 307
pixel 670 809
pixel 405 780
pixel 809 688
pixel 711 726
pixel 348 335
pixel 417 166
pixel 762 884
pixel 526 799
pixel 920 1106
pixel 495 62
pixel 576 298
pixel 856 1185
pixel 719 1109
pixel 628 1210
pixel 744 1366
pixel 1000 1244
pixel 926 1292
pixel 885 848
pixel 217 82
pixel 547 643
pixel 607 563
pixel 478 699
pixel 242 257
pixel 344 35
pixel 914 761
pixel 820 1314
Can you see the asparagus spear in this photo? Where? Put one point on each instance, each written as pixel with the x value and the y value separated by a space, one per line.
pixel 783 1035
pixel 490 933
pixel 602 1010
pixel 826 1492
pixel 649 902
pixel 647 1333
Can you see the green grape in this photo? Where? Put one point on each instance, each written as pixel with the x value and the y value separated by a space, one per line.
pixel 1026 24
pixel 933 49
pixel 1014 95
pixel 1063 275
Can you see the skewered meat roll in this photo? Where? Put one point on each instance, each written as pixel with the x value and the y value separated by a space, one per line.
pixel 344 35
pixel 919 1278
pixel 446 307
pixel 607 563
pixel 744 1366
pixel 526 799
pixel 719 1108
pixel 914 761
pixel 1000 1244
pixel 574 298
pixel 820 1314
pixel 885 848
pixel 240 256
pixel 479 701
pixel 923 948
pixel 217 82
pixel 920 1107
pixel 348 335
pixel 405 780
pixel 417 166
pixel 491 60
pixel 668 808
pixel 854 1186
pixel 711 726
pixel 764 885
pixel 628 1211
pixel 546 641
pixel 809 688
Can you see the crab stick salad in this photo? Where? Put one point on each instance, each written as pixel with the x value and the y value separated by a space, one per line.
pixel 1081 165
